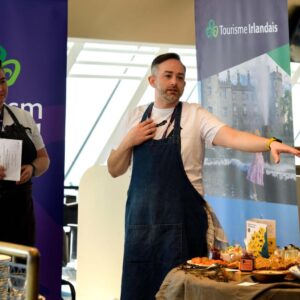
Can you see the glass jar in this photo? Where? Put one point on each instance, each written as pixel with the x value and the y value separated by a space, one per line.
pixel 215 254
pixel 247 262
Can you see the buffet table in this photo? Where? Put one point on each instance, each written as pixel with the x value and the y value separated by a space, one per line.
pixel 184 284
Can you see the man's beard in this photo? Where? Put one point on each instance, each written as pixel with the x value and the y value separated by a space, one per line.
pixel 170 98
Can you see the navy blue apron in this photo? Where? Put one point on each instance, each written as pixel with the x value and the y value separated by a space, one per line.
pixel 165 221
pixel 17 222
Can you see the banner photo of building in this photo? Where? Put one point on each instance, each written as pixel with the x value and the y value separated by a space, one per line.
pixel 33 44
pixel 243 66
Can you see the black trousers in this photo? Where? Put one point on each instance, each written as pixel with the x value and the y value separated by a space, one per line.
pixel 17 221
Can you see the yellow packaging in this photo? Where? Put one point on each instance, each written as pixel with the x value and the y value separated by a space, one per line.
pixel 271 233
pixel 256 238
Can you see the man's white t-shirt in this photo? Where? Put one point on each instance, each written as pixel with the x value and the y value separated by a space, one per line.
pixel 199 128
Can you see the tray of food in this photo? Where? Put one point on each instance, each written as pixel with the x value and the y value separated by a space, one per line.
pixel 275 268
pixel 205 262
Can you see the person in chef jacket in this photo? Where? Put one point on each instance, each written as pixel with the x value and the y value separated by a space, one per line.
pixel 17 221
pixel 167 219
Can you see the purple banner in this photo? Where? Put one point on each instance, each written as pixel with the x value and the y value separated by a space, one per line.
pixel 33 44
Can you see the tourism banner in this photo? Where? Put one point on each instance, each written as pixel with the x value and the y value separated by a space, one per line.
pixel 243 63
pixel 33 42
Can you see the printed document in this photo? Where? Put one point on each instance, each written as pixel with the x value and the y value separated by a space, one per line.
pixel 10 158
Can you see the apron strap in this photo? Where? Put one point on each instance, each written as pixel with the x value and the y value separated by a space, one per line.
pixel 176 114
pixel 15 118
pixel 177 118
pixel 12 115
pixel 147 112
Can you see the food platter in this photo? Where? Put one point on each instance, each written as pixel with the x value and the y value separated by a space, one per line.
pixel 205 263
pixel 199 265
pixel 269 275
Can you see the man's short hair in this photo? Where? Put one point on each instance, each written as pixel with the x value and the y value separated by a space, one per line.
pixel 0 64
pixel 163 57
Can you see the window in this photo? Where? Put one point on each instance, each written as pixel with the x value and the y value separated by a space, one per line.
pixel 104 80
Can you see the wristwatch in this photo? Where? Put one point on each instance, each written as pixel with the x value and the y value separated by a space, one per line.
pixel 271 140
pixel 33 169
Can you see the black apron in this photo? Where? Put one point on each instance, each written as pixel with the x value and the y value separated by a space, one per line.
pixel 165 221
pixel 17 222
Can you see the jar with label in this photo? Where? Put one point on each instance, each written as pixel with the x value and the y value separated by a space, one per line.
pixel 247 262
pixel 215 253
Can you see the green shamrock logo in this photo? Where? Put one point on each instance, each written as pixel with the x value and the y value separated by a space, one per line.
pixel 212 29
pixel 11 67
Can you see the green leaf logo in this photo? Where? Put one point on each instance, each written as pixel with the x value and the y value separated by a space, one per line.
pixel 212 29
pixel 11 67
